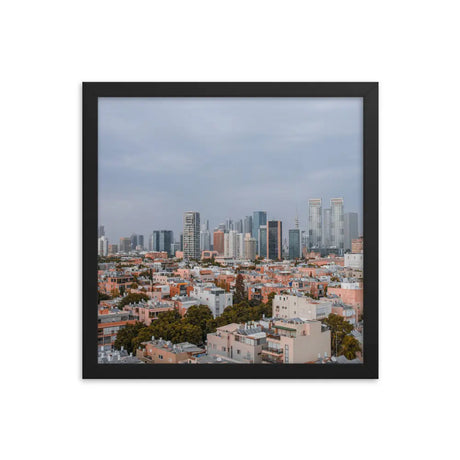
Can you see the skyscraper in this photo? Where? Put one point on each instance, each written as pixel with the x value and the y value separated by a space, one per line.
pixel 192 235
pixel 315 222
pixel 103 246
pixel 154 243
pixel 166 240
pixel 327 228
pixel 274 239
pixel 247 226
pixel 239 246
pixel 350 229
pixel 238 226
pixel 140 241
pixel 133 241
pixel 258 218
pixel 249 247
pixel 219 241
pixel 261 242
pixel 100 231
pixel 337 232
pixel 294 244
pixel 161 241
pixel 205 240
pixel 205 236
pixel 233 244
pixel 125 244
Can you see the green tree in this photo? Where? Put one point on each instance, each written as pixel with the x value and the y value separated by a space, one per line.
pixel 201 316
pixel 339 329
pixel 126 335
pixel 102 296
pixel 349 347
pixel 132 298
pixel 240 293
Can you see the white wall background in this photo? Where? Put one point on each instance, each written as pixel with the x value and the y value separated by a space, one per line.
pixel 49 47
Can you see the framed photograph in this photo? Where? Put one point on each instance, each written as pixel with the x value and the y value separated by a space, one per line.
pixel 230 230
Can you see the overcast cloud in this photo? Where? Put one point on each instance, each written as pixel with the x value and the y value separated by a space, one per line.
pixel 225 158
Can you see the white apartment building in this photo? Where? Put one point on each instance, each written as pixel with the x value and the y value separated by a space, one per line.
pixel 354 261
pixel 234 245
pixel 292 306
pixel 215 298
pixel 295 341
pixel 103 246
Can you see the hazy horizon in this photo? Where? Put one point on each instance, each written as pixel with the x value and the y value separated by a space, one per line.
pixel 225 158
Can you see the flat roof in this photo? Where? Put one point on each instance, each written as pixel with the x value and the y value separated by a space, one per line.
pixel 284 328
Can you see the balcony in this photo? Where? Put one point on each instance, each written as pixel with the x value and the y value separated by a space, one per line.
pixel 272 350
pixel 272 359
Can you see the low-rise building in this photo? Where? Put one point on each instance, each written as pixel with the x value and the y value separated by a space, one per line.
pixel 292 306
pixel 354 261
pixel 164 352
pixel 295 341
pixel 241 342
pixel 109 322
pixel 215 298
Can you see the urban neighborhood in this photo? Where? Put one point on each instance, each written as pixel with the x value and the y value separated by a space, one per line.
pixel 249 291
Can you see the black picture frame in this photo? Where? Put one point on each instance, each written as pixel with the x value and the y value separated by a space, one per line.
pixel 369 92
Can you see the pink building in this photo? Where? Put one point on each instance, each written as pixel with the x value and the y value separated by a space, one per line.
pixel 296 342
pixel 241 342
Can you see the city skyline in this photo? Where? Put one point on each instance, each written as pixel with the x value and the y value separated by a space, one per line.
pixel 211 229
pixel 159 158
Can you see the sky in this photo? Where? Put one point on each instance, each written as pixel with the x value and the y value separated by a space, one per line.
pixel 225 158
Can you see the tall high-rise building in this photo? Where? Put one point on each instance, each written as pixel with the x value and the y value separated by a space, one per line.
pixel 350 229
pixel 274 239
pixel 294 244
pixel 205 240
pixel 238 226
pixel 249 247
pixel 315 223
pixel 125 244
pixel 327 228
pixel 205 236
pixel 161 241
pixel 100 231
pixel 181 241
pixel 166 240
pixel 140 241
pixel 247 225
pixel 113 248
pixel 103 246
pixel 219 242
pixel 337 231
pixel 175 247
pixel 205 225
pixel 192 235
pixel 229 225
pixel 303 240
pixel 133 241
pixel 258 218
pixel 261 242
pixel 233 244
pixel 239 253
